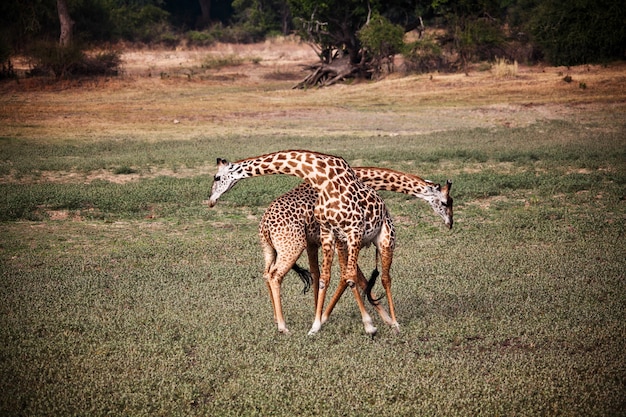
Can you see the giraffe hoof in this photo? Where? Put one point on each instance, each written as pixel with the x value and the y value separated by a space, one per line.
pixel 315 328
pixel 371 330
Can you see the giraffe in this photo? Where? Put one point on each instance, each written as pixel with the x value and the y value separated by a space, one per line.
pixel 349 213
pixel 288 227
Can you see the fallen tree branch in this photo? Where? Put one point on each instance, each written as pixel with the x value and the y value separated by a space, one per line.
pixel 322 75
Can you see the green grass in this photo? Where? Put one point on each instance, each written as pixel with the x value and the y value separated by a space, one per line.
pixel 143 301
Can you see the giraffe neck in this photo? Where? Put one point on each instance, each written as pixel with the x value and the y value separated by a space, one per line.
pixel 317 169
pixel 390 180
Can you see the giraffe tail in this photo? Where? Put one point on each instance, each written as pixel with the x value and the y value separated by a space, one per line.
pixel 368 289
pixel 305 277
pixel 370 283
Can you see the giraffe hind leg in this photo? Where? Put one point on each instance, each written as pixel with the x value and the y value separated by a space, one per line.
pixel 279 259
pixel 386 258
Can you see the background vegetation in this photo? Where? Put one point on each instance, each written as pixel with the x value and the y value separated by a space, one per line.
pixel 464 31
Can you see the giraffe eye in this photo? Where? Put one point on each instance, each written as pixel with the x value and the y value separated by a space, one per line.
pixel 216 178
pixel 444 203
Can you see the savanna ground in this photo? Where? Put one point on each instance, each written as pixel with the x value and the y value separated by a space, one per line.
pixel 122 293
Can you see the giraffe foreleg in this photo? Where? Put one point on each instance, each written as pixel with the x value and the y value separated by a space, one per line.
pixel 343 258
pixel 312 251
pixel 363 283
pixel 367 319
pixel 327 262
pixel 351 278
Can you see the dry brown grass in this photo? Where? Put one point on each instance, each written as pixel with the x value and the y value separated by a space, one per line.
pixel 256 98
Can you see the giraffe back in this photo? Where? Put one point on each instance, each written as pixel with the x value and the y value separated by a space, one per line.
pixel 292 210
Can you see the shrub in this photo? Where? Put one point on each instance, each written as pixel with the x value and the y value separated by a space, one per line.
pixel 478 39
pixel 424 55
pixel 140 23
pixel 503 68
pixel 71 61
pixel 124 170
pixel 580 32
pixel 217 62
pixel 199 38
pixel 382 40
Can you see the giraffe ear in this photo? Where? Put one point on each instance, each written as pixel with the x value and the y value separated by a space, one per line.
pixel 221 161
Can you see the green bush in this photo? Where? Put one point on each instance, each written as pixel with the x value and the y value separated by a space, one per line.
pixel 478 39
pixel 49 57
pixel 143 24
pixel 580 32
pixel 71 61
pixel 424 55
pixel 199 38
pixel 382 40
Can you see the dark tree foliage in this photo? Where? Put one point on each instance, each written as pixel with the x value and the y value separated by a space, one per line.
pixel 565 32
pixel 262 17
pixel 332 25
pixel 474 28
pixel 21 22
pixel 186 14
pixel 580 31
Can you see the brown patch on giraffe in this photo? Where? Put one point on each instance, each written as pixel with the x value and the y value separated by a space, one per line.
pixel 318 180
pixel 307 169
pixel 333 205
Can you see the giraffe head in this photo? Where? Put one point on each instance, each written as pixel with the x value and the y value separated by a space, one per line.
pixel 441 202
pixel 228 174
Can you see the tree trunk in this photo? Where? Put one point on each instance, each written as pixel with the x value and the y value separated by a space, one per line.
pixel 205 8
pixel 66 23
pixel 285 18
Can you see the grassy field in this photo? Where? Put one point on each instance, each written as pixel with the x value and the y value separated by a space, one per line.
pixel 122 293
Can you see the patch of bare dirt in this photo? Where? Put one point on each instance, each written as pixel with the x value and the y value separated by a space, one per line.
pixel 182 94
pixel 275 59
